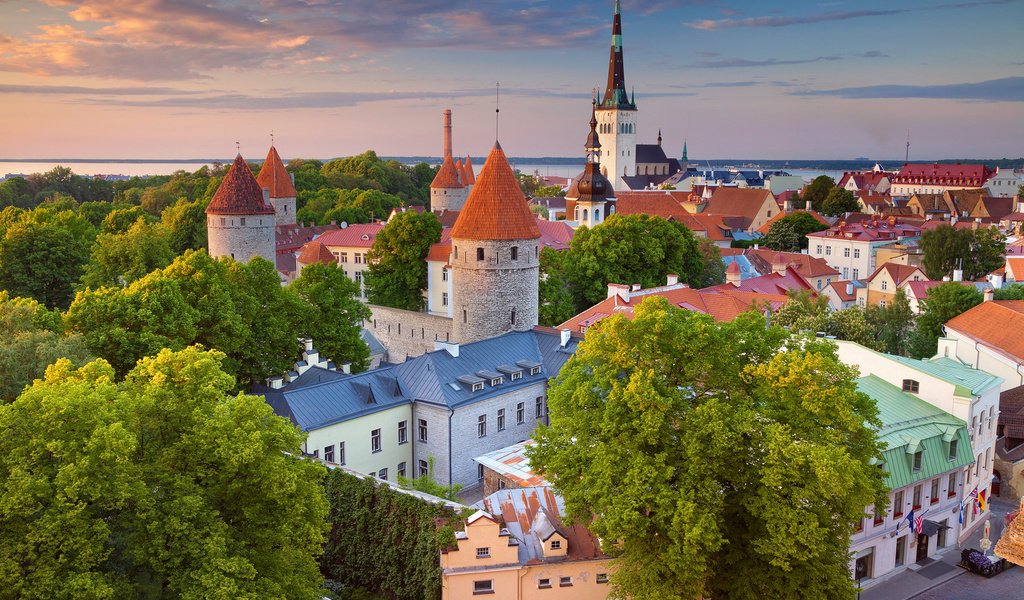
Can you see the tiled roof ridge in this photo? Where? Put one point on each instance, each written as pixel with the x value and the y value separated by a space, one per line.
pixel 239 193
pixel 496 208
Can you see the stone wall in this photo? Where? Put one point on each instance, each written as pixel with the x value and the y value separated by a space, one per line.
pixel 241 237
pixel 487 292
pixel 448 198
pixel 284 210
pixel 405 333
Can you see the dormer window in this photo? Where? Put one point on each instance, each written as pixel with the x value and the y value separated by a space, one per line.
pixel 483 552
pixel 534 370
pixel 918 459
pixel 496 381
pixel 478 387
pixel 556 544
pixel 911 385
pixel 516 375
pixel 952 449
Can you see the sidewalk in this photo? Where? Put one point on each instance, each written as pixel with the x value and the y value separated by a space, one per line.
pixel 919 578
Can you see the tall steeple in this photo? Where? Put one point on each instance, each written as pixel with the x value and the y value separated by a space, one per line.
pixel 615 91
pixel 685 158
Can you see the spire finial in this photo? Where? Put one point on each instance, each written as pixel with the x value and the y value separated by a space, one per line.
pixel 238 148
pixel 617 7
pixel 497 107
pixel 271 138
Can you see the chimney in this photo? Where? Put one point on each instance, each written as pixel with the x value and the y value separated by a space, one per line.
pixel 636 287
pixel 293 178
pixel 989 294
pixel 997 282
pixel 733 274
pixel 266 195
pixel 671 279
pixel 620 290
pixel 958 274
pixel 275 383
pixel 346 367
pixel 447 132
pixel 307 344
pixel 452 348
pixel 849 289
pixel 565 335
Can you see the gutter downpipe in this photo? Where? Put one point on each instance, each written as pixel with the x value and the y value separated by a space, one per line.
pixel 451 412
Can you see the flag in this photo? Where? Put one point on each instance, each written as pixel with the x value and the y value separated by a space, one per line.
pixel 912 520
pixel 960 516
pixel 972 496
pixel 982 501
pixel 974 507
pixel 918 522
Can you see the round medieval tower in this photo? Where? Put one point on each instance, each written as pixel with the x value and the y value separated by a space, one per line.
pixel 448 190
pixel 274 177
pixel 495 257
pixel 240 219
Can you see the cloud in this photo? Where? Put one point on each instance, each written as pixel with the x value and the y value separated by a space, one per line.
pixel 872 54
pixel 785 21
pixel 766 62
pixel 63 90
pixel 1008 89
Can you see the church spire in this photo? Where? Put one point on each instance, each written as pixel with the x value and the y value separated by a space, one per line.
pixel 685 159
pixel 615 91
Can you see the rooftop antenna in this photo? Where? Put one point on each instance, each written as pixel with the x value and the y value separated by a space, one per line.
pixel 497 95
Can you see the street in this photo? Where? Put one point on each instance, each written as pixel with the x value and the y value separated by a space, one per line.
pixel 1007 585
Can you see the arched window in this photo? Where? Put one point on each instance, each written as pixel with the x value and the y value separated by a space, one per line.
pixel 584 214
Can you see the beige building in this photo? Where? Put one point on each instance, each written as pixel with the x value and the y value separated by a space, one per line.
pixel 988 337
pixel 516 546
pixel 350 246
pixel 851 248
pixel 754 206
pixel 881 286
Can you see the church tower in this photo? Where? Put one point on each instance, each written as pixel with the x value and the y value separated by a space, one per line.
pixel 274 177
pixel 590 190
pixel 616 116
pixel 447 191
pixel 495 257
pixel 240 219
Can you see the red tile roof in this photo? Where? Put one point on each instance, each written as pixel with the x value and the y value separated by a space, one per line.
pixel 1015 268
pixel 997 324
pixel 742 202
pixel 441 251
pixel 772 283
pixel 556 235
pixel 239 193
pixel 806 265
pixel 273 175
pixel 468 177
pixel 290 238
pixel 768 224
pixel 839 288
pixel 359 235
pixel 316 252
pixel 656 203
pixel 496 208
pixel 897 272
pixel 717 228
pixel 447 176
pixel 935 174
pixel 870 230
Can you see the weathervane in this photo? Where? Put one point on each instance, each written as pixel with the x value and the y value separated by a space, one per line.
pixel 497 95
pixel 271 137
pixel 238 147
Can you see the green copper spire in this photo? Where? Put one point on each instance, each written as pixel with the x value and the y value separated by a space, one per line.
pixel 615 95
pixel 685 159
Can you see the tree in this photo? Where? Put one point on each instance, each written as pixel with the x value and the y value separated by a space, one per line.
pixel 1011 292
pixel 41 261
pixel 31 339
pixel 713 272
pixel 630 249
pixel 789 234
pixel 339 315
pixel 120 258
pixel 555 299
pixel 944 302
pixel 161 485
pixel 120 220
pixel 893 324
pixel 839 201
pixel 816 192
pixel 806 312
pixel 977 252
pixel 397 275
pixel 549 191
pixel 721 460
pixel 186 225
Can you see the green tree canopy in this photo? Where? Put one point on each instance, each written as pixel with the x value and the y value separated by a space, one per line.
pixel 944 302
pixel 977 251
pixel 161 485
pixel 1010 292
pixel 339 315
pixel 839 201
pixel 788 234
pixel 716 460
pixel 121 258
pixel 806 312
pixel 555 299
pixel 397 275
pixel 41 261
pixel 893 324
pixel 817 191
pixel 186 225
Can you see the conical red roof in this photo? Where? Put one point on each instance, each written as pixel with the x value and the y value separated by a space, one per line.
pixel 239 193
pixel 273 175
pixel 447 176
pixel 470 177
pixel 496 208
pixel 316 252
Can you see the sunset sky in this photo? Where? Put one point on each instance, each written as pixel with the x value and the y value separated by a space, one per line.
pixel 737 79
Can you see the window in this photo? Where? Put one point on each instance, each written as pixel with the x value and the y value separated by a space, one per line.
pixel 917 460
pixel 543 583
pixel 879 518
pixel 952 449
pixel 515 252
pixel 341 453
pixel 478 386
pixel 828 250
pixel 520 413
pixel 901 551
pixel 329 453
pixel 222 222
pixel 516 375
pixel 846 272
pixel 481 425
pixel 423 430
pixel 556 544
pixel 479 253
pixel 480 472
pixel 501 419
pixel 444 274
pixel 817 249
pixel 375 440
pixel 444 298
pixel 424 468
pixel 343 257
pixel 357 258
pixel 540 407
pixel 565 582
pixel 881 303
pixel 483 587
pixel 483 552
pixel 382 474
pixel 403 432
pixel 496 381
pixel 856 273
pixel 243 221
pixel 401 469
pixel 934 495
pixel 534 370
pixel 917 496
pixel 911 385
pixel 856 252
pixel 512 317
pixel 885 285
pixel 464 318
pixel 602 578
pixel 846 253
pixel 897 505
pixel 951 490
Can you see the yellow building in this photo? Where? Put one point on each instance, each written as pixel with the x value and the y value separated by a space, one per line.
pixel 516 547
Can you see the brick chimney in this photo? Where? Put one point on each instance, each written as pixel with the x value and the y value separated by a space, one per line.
pixel 447 132
pixel 734 274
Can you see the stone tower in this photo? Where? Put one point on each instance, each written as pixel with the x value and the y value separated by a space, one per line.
pixel 447 191
pixel 495 257
pixel 240 218
pixel 590 190
pixel 274 177
pixel 616 116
